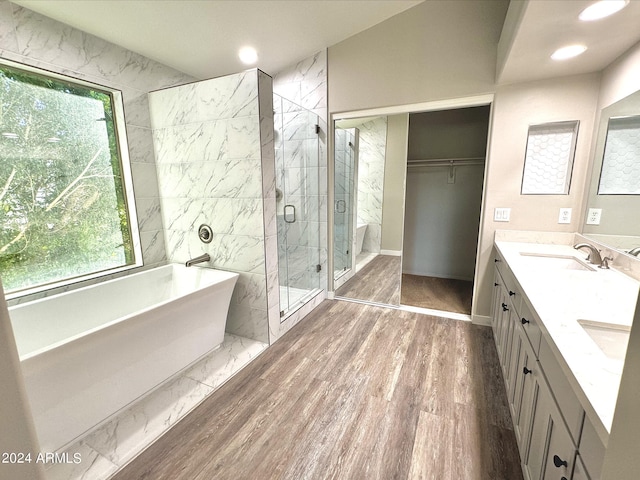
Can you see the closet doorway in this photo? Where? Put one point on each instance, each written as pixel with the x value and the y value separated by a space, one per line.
pixel 445 177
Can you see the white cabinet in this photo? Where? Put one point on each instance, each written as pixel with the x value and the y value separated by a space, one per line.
pixel 547 416
pixel 551 451
pixel 527 380
pixel 579 472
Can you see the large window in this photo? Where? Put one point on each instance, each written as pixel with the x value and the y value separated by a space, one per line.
pixel 63 199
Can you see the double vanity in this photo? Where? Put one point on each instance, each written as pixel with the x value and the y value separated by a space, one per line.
pixel 561 325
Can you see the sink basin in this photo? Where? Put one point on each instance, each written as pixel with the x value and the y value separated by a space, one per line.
pixel 562 262
pixel 612 339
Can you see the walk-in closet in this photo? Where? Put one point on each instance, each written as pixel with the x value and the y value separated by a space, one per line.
pixel 445 176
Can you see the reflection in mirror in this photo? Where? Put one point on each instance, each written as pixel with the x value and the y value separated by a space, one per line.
pixel 620 173
pixel 346 160
pixel 549 158
pixel 613 203
pixel 363 270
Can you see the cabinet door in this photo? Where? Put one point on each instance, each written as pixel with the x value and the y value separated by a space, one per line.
pixel 579 472
pixel 551 451
pixel 514 376
pixel 525 396
pixel 496 308
pixel 511 353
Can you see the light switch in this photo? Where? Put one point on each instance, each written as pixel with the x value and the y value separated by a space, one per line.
pixel 565 215
pixel 593 216
pixel 501 214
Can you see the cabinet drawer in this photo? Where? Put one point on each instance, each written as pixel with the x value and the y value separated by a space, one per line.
pixel 568 403
pixel 530 325
pixel 591 450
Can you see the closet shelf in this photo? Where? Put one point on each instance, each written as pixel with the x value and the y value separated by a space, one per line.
pixel 445 162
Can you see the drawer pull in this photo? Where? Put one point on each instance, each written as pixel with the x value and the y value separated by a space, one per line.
pixel 504 307
pixel 511 294
pixel 524 321
pixel 526 371
pixel 558 462
pixel 563 478
pixel 496 284
pixel 496 260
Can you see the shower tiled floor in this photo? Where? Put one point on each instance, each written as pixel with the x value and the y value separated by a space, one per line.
pixel 118 441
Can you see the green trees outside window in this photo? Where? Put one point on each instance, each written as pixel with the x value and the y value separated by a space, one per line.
pixel 63 211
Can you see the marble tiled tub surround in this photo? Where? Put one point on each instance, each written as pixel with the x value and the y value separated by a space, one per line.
pixel 127 434
pixel 562 297
pixel 215 162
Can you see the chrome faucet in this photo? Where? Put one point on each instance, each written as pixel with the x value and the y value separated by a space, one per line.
pixel 634 251
pixel 201 259
pixel 594 254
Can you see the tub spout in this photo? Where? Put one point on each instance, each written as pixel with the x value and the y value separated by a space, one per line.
pixel 200 259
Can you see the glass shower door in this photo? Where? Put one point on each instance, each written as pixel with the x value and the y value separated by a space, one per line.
pixel 297 203
pixel 344 181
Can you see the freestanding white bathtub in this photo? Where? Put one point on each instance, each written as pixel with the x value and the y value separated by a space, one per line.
pixel 88 353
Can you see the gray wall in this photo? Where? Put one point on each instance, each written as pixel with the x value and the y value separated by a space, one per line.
pixel 438 49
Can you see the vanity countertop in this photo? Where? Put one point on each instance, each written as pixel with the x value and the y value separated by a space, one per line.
pixel 561 297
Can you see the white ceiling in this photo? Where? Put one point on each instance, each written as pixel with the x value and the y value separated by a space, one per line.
pixel 546 25
pixel 202 37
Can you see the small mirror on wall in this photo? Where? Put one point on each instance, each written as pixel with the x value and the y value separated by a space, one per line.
pixel 549 158
pixel 620 174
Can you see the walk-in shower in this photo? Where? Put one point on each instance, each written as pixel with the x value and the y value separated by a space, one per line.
pixel 297 203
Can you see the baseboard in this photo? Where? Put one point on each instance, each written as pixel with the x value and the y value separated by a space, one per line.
pixel 436 275
pixel 392 253
pixel 481 320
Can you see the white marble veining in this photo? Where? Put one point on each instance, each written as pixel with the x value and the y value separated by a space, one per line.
pixel 373 138
pixel 561 297
pixel 124 436
pixel 214 144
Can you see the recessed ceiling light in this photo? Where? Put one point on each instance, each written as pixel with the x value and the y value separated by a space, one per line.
pixel 602 9
pixel 248 55
pixel 568 52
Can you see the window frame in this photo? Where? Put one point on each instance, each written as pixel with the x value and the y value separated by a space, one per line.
pixel 122 148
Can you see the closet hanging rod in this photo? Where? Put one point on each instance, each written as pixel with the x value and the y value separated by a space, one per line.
pixel 445 160
pixel 445 163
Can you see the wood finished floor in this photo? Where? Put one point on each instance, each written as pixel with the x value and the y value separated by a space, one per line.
pixel 352 392
pixel 378 282
pixel 445 294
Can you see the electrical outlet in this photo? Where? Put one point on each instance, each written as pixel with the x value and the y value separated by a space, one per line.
pixel 565 215
pixel 501 214
pixel 593 216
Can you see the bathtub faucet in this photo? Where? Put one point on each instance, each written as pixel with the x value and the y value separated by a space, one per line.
pixel 200 259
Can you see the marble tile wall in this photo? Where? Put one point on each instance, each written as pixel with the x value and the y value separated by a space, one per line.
pixel 373 140
pixel 209 138
pixel 32 39
pixel 305 84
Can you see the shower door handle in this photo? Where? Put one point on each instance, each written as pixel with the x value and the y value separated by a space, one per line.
pixel 343 204
pixel 292 214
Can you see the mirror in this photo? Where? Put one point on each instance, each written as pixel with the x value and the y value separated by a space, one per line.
pixel 613 203
pixel 367 257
